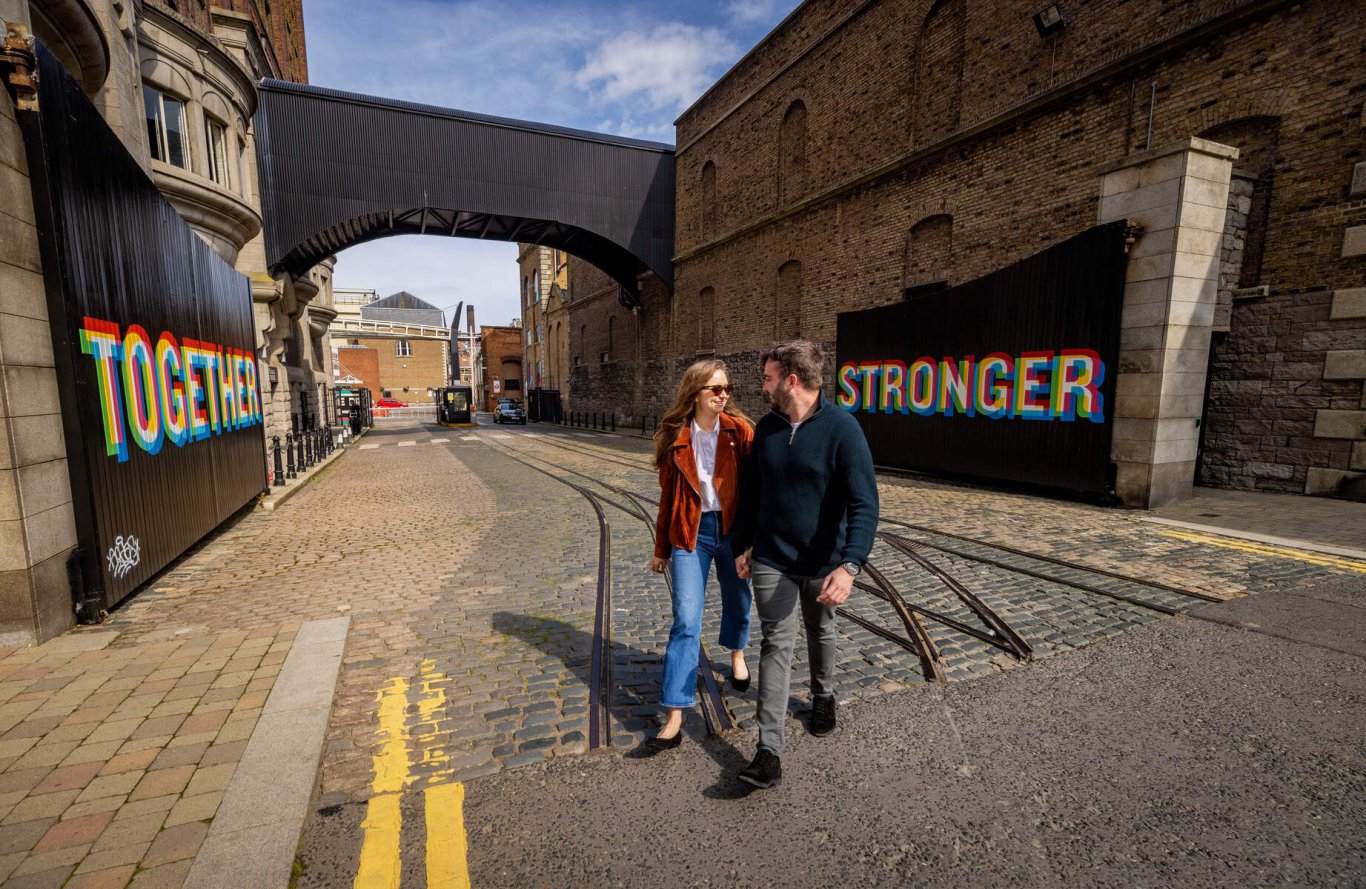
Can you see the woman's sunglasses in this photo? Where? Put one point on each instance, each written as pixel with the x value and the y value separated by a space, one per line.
pixel 717 390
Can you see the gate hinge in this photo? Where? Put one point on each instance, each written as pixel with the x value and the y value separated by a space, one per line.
pixel 20 66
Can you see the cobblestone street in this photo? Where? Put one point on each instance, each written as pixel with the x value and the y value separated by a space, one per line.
pixel 467 564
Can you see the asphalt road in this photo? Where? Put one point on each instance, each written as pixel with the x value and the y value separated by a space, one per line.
pixel 1223 748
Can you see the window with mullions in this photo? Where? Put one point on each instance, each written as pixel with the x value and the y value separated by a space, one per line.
pixel 403 349
pixel 165 127
pixel 216 137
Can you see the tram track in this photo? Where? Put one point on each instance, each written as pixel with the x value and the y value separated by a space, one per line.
pixel 716 715
pixel 994 631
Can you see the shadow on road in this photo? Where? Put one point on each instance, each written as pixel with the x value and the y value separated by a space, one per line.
pixel 573 646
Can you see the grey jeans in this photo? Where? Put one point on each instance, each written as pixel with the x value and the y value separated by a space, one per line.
pixel 776 596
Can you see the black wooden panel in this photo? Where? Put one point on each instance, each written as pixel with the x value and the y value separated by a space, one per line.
pixel 118 260
pixel 1050 322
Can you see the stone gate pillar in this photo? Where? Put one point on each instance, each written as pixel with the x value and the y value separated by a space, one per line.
pixel 1179 194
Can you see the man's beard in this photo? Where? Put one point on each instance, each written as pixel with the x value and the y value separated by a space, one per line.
pixel 781 398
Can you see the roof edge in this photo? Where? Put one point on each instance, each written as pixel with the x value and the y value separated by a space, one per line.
pixel 321 92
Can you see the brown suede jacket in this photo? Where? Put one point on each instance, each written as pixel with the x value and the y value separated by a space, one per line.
pixel 680 501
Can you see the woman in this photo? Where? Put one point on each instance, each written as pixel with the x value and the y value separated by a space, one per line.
pixel 699 448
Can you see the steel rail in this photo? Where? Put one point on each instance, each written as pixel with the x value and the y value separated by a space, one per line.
pixel 1051 578
pixel 1064 563
pixel 1016 643
pixel 931 660
pixel 601 674
pixel 717 721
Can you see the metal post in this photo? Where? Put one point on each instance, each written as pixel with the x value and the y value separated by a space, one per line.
pixel 299 445
pixel 642 425
pixel 279 462
pixel 289 449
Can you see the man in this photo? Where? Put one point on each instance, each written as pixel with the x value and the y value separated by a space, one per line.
pixel 807 514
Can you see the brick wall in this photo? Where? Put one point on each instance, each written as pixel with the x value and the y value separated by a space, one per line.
pixel 1004 169
pixel 363 364
pixel 502 351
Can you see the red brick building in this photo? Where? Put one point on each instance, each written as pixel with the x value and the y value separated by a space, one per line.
pixel 501 350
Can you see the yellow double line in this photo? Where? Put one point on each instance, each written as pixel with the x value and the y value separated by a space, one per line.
pixel 380 865
pixel 1276 552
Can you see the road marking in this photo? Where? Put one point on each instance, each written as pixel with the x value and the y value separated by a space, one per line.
pixel 1276 552
pixel 500 436
pixel 368 447
pixel 446 848
pixel 379 852
pixel 443 804
pixel 440 440
pixel 407 444
pixel 469 438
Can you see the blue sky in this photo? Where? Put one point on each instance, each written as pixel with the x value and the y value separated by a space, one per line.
pixel 622 67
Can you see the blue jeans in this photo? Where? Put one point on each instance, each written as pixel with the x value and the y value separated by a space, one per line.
pixel 689 570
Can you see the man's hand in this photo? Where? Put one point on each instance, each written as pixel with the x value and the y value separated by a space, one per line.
pixel 838 584
pixel 742 563
pixel 657 564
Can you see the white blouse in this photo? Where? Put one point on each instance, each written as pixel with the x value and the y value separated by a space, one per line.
pixel 704 457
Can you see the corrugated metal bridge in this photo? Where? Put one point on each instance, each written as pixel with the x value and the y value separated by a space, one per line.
pixel 338 169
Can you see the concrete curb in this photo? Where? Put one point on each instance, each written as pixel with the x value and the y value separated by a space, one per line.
pixel 1263 538
pixel 280 495
pixel 253 838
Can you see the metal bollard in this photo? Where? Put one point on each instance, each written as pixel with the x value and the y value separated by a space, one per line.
pixel 308 448
pixel 279 462
pixel 289 450
pixel 642 425
pixel 614 421
pixel 299 457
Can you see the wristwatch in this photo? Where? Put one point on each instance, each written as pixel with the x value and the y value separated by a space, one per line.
pixel 853 568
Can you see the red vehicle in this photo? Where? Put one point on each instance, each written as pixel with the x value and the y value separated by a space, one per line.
pixel 389 402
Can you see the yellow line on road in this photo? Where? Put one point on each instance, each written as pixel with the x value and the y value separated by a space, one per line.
pixel 379 853
pixel 447 867
pixel 1277 552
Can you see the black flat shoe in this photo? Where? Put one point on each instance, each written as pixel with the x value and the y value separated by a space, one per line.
pixel 657 744
pixel 741 684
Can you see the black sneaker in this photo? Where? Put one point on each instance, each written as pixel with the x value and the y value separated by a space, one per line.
pixel 765 771
pixel 822 715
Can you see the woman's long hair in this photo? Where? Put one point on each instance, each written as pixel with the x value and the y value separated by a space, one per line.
pixel 694 378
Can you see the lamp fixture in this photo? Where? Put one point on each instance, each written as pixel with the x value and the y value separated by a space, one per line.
pixel 1050 20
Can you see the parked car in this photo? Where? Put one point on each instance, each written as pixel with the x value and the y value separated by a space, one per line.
pixel 509 412
pixel 389 402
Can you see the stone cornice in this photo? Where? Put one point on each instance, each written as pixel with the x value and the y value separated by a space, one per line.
pixel 205 205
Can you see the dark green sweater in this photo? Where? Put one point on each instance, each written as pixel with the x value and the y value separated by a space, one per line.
pixel 808 500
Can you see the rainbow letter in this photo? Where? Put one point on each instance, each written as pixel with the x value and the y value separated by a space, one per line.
pixel 848 383
pixel 992 398
pixel 171 389
pixel 893 388
pixel 922 386
pixel 1028 403
pixel 955 378
pixel 100 340
pixel 140 390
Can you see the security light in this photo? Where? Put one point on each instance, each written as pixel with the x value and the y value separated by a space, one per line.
pixel 1050 20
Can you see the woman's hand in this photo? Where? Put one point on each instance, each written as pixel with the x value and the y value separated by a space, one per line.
pixel 657 564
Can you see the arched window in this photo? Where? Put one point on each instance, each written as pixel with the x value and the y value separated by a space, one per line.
pixel 939 72
pixel 706 319
pixel 1249 196
pixel 708 207
pixel 929 254
pixel 787 305
pixel 792 152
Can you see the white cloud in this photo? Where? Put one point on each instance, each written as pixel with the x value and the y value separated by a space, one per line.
pixel 666 68
pixel 749 12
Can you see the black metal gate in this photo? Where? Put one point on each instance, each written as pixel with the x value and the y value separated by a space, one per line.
pixel 1010 376
pixel 154 344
